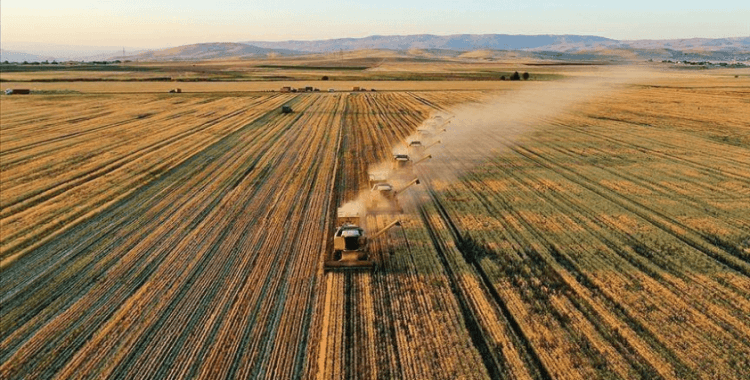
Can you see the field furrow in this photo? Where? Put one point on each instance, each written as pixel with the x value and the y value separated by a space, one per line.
pixel 153 236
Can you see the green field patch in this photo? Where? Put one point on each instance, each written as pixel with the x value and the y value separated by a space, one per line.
pixel 287 67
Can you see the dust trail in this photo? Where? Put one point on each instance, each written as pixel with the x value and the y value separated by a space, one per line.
pixel 470 135
pixel 481 131
pixel 354 208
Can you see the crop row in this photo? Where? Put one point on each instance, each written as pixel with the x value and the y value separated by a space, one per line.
pixel 209 268
pixel 70 164
pixel 611 243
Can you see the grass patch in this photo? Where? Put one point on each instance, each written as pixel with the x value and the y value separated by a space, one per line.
pixel 20 68
pixel 285 67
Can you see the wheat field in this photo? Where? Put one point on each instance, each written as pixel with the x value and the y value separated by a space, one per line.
pixel 153 235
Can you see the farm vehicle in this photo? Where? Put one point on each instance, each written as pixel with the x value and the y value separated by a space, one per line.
pixel 350 243
pixel 383 198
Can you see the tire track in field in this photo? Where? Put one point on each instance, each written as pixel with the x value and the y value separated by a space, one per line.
pixel 654 217
pixel 740 176
pixel 531 358
pixel 578 208
pixel 494 363
pixel 583 215
pixel 695 201
pixel 372 123
pixel 472 250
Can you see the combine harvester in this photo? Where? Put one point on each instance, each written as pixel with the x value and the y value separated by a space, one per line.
pixel 436 122
pixel 418 148
pixel 350 242
pixel 376 177
pixel 383 198
pixel 402 161
pixel 428 133
pixel 414 144
pixel 403 167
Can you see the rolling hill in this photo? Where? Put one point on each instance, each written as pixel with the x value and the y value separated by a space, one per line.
pixel 206 51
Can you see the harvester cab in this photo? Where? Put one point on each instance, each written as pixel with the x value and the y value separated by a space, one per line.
pixel 401 161
pixel 382 199
pixel 384 189
pixel 415 146
pixel 350 246
pixel 424 133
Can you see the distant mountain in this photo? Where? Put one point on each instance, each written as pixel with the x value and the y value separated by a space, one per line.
pixel 427 46
pixel 206 51
pixel 16 56
pixel 69 52
pixel 461 42
pixel 570 46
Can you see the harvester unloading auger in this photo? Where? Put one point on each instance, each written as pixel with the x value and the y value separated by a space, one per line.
pixel 433 144
pixel 350 243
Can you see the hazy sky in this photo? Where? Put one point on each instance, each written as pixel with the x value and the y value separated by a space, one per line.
pixel 163 23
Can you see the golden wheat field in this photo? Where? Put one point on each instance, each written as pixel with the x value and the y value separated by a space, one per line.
pixel 561 230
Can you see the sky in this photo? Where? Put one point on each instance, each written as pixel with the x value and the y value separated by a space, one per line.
pixel 166 23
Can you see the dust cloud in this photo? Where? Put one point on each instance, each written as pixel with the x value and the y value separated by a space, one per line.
pixel 352 209
pixel 462 139
pixel 478 132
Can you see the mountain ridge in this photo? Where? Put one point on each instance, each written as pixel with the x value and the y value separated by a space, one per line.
pixel 716 49
pixel 462 42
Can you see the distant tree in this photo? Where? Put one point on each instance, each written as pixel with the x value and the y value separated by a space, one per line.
pixel 525 76
pixel 502 77
pixel 35 63
pixel 6 62
pixel 25 63
pixel 46 62
pixel 325 77
pixel 515 76
pixel 54 63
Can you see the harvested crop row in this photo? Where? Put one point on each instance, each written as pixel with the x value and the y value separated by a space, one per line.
pixel 83 176
pixel 209 269
pixel 575 221
pixel 172 251
pixel 382 329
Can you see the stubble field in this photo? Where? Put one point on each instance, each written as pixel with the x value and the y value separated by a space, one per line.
pixel 156 236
